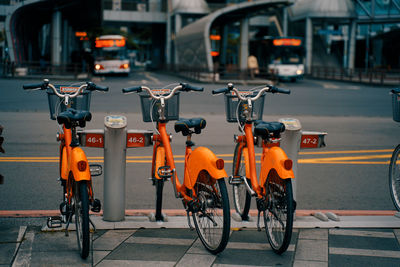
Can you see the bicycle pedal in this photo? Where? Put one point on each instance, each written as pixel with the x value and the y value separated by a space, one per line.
pixel 54 222
pixel 235 180
pixel 165 172
pixel 96 205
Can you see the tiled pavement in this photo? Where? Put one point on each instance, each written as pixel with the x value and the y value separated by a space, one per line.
pixel 171 246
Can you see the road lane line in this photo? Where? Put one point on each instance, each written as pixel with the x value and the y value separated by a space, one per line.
pixel 346 152
pixel 360 159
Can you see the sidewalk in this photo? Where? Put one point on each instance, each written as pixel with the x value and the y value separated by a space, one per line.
pixel 351 241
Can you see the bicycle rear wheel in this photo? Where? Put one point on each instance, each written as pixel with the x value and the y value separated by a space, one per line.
pixel 241 198
pixel 212 221
pixel 278 218
pixel 81 204
pixel 394 177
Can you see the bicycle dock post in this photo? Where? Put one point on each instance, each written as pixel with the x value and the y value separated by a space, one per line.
pixel 294 139
pixel 114 168
pixel 115 139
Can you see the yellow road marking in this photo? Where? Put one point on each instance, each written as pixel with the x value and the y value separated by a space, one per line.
pixel 360 159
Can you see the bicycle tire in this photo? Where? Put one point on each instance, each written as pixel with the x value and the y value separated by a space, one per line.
pixel 212 221
pixel 81 209
pixel 241 198
pixel 394 177
pixel 278 218
pixel 159 185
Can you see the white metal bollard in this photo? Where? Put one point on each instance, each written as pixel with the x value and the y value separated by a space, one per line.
pixel 114 168
pixel 294 139
pixel 290 143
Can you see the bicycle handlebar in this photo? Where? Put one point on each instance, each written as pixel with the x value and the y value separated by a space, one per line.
pixel 181 87
pixel 268 89
pixel 46 84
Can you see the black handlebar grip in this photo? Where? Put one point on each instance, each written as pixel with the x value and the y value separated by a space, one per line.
pixel 187 87
pixel 132 89
pixel 274 90
pixel 94 87
pixel 33 86
pixel 220 91
pixel 101 88
pixel 395 91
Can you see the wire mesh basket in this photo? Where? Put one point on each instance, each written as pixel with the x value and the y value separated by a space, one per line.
pixel 56 104
pixel 232 110
pixel 396 104
pixel 171 108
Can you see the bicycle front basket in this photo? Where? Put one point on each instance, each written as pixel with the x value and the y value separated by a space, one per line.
pixel 231 108
pixel 396 105
pixel 171 108
pixel 56 104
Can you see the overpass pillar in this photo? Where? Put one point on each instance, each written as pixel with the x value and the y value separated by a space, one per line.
pixel 244 44
pixel 56 38
pixel 352 44
pixel 309 44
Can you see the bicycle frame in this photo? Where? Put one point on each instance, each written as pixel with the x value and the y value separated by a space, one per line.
pixel 71 157
pixel 196 161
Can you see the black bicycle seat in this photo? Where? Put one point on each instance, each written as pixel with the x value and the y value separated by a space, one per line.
pixel 184 125
pixel 268 129
pixel 71 115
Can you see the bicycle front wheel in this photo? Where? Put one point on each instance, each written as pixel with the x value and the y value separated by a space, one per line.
pixel 81 203
pixel 241 198
pixel 394 177
pixel 212 220
pixel 278 218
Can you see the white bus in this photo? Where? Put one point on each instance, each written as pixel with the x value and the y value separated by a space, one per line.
pixel 286 58
pixel 110 55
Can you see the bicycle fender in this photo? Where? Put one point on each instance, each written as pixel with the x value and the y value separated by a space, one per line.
pixel 201 159
pixel 78 155
pixel 64 164
pixel 274 158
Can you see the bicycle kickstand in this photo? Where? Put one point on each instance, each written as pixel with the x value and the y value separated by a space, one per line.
pixel 66 226
pixel 94 226
pixel 258 221
pixel 188 218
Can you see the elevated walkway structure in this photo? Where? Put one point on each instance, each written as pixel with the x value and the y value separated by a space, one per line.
pixel 193 43
pixel 327 16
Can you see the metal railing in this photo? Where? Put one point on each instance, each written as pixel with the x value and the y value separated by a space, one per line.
pixel 40 68
pixel 371 76
pixel 222 73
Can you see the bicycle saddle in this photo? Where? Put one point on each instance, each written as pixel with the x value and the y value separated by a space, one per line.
pixel 184 125
pixel 71 115
pixel 268 129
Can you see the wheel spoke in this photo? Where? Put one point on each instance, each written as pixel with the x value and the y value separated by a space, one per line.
pixel 278 217
pixel 212 221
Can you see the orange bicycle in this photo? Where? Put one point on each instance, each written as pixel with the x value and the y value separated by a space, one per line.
pixel 273 189
pixel 75 172
pixel 203 191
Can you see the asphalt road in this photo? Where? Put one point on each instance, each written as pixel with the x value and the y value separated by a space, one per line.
pixel 350 174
